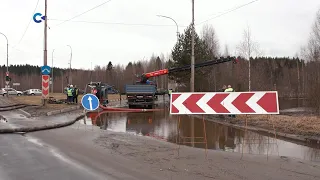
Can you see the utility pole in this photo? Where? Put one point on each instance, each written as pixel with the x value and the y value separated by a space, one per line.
pixel 70 75
pixel 192 72
pixel 91 73
pixel 52 73
pixel 62 79
pixel 192 50
pixel 45 41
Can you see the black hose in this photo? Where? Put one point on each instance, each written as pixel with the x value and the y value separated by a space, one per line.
pixel 39 128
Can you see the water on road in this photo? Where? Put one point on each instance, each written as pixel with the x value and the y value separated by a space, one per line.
pixel 163 126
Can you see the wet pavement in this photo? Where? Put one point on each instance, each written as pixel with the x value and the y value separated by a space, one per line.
pixel 162 126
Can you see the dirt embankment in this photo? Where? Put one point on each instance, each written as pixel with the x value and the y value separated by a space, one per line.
pixel 302 126
pixel 40 110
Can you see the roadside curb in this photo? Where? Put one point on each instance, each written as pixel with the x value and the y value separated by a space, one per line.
pixel 304 139
pixel 28 115
pixel 115 100
pixel 40 128
pixel 60 111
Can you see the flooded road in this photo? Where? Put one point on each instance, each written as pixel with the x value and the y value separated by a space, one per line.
pixel 163 126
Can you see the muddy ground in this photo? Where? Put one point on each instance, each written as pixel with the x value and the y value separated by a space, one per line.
pixel 306 126
pixel 125 153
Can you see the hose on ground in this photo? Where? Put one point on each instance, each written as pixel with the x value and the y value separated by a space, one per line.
pixel 14 107
pixel 40 128
pixel 128 109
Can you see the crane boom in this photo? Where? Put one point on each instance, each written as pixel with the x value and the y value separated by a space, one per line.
pixel 146 76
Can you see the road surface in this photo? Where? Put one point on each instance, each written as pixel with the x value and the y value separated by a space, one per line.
pixel 23 158
pixel 84 152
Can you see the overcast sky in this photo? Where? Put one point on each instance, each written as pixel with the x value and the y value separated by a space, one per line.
pixel 131 30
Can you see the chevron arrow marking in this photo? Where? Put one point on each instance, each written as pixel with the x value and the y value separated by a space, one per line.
pixel 241 103
pixel 260 102
pixel 45 85
pixel 191 103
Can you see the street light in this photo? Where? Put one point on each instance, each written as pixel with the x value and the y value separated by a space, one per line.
pixel 173 21
pixel 52 73
pixel 70 77
pixel 7 51
pixel 7 73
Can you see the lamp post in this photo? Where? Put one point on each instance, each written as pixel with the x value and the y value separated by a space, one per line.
pixel 7 57
pixel 7 52
pixel 52 73
pixel 174 22
pixel 70 76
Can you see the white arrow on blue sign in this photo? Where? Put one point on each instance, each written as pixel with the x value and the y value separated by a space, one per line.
pixel 90 102
pixel 45 70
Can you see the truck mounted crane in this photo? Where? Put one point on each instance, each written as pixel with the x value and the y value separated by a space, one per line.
pixel 144 92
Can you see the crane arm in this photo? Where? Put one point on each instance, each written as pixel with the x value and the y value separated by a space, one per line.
pixel 161 72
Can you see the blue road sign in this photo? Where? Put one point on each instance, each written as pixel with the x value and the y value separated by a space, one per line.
pixel 90 102
pixel 45 70
pixel 35 17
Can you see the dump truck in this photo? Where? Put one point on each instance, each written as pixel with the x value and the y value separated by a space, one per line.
pixel 144 92
pixel 141 95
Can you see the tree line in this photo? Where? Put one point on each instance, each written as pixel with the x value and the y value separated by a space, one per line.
pixel 254 72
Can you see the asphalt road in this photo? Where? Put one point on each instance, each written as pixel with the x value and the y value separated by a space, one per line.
pixel 24 159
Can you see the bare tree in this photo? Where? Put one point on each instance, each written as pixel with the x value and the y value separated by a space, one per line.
pixel 311 53
pixel 247 49
pixel 210 38
pixel 226 50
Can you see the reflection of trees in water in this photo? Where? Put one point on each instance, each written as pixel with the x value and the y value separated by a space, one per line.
pixel 313 154
pixel 254 143
pixel 218 136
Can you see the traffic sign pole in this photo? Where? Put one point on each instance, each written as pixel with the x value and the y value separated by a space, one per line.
pixel 45 86
pixel 90 102
pixel 45 71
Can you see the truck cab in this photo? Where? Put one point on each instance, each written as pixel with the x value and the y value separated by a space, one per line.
pixel 142 95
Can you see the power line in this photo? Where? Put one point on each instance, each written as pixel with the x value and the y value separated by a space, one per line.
pixel 114 23
pixel 228 11
pixel 27 25
pixel 83 13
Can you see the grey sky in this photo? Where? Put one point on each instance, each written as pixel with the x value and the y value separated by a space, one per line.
pixel 279 26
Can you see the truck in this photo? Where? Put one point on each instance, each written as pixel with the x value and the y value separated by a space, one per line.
pixel 144 92
pixel 141 95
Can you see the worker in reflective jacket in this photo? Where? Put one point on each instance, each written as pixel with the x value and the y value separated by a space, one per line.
pixel 70 94
pixel 230 89
pixel 170 92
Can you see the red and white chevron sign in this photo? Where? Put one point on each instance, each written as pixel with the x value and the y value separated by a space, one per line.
pixel 45 86
pixel 225 103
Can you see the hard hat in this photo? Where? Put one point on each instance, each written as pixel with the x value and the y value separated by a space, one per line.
pixel 71 85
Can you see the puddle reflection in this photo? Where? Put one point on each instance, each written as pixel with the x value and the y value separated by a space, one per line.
pixel 161 125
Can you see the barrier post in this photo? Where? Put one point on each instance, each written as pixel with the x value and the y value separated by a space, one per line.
pixel 224 103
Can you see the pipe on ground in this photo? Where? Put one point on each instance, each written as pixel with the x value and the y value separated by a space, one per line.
pixel 128 109
pixel 40 128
